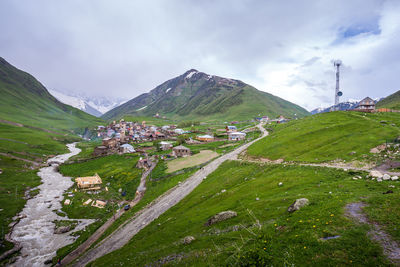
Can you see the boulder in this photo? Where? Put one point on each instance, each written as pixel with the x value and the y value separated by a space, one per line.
pixel 188 239
pixel 376 174
pixel 222 216
pixel 395 178
pixel 62 229
pixel 299 203
pixel 386 177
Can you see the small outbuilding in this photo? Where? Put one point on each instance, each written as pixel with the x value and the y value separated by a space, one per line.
pixel 89 182
pixel 205 138
pixel 181 151
pixel 165 145
pixel 126 148
pixel 236 136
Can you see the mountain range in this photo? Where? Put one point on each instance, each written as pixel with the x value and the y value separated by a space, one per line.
pixel 94 105
pixel 195 95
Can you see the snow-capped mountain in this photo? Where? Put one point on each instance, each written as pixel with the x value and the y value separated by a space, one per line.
pixel 96 106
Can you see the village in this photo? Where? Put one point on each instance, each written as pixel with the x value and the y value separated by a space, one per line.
pixel 176 147
pixel 169 142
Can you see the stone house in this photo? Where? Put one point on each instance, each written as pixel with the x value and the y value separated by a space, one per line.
pixel 181 151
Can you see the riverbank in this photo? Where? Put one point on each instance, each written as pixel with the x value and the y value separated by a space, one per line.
pixel 35 230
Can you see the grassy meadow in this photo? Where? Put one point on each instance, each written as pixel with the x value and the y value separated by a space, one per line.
pixel 264 233
pixel 328 136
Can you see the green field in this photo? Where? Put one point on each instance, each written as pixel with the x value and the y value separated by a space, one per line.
pixel 328 136
pixel 288 239
pixel 392 101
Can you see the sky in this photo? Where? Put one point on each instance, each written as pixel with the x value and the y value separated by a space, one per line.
pixel 123 48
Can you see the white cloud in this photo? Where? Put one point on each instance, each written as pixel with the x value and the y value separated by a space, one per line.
pixel 126 47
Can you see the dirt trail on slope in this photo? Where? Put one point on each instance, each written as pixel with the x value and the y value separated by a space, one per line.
pixel 122 235
pixel 18 158
pixel 390 247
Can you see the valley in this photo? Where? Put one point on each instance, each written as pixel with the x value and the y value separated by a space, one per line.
pixel 189 180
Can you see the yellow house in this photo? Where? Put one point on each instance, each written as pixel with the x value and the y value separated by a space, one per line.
pixel 205 138
pixel 89 182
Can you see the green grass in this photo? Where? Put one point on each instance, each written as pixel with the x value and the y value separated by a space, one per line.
pixel 392 101
pixel 119 171
pixel 30 144
pixel 15 179
pixel 291 238
pixel 328 136
pixel 204 100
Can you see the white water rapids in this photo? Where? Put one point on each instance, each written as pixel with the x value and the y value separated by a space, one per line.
pixel 35 231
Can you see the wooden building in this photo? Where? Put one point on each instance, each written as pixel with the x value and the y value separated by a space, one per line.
pixel 367 104
pixel 89 182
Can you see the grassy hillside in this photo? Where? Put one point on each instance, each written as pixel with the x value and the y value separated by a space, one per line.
pixel 25 100
pixel 196 95
pixel 328 136
pixel 392 101
pixel 33 126
pixel 264 233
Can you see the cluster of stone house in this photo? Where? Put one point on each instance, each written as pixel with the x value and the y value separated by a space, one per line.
pixel 118 135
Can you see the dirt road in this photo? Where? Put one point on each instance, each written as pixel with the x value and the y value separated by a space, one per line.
pixel 122 235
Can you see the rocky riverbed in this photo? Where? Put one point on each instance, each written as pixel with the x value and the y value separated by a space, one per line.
pixel 35 230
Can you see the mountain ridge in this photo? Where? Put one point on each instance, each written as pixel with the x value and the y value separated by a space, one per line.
pixel 197 94
pixel 25 100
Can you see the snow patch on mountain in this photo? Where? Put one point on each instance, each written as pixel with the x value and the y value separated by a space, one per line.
pixel 190 74
pixel 93 105
pixel 141 108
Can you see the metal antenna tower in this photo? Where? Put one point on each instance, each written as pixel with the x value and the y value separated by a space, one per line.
pixel 338 93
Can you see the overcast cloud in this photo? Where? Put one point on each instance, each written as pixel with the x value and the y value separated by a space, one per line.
pixel 125 48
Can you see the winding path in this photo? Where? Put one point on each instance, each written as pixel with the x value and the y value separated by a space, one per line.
pixel 122 235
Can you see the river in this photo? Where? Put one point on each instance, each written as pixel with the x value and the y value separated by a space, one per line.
pixel 35 230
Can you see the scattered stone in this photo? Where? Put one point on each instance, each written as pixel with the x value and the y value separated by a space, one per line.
pixel 352 153
pixel 299 203
pixel 395 178
pixel 355 178
pixel 388 192
pixel 67 202
pixel 120 190
pixel 223 190
pixel 376 174
pixel 391 186
pixel 386 177
pixel 345 170
pixel 330 237
pixel 280 184
pixel 379 179
pixel 257 198
pixel 1 171
pixel 188 239
pixel 62 229
pixel 330 192
pixel 222 216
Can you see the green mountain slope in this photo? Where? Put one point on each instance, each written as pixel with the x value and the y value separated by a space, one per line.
pixel 328 136
pixel 25 100
pixel 195 95
pixel 392 101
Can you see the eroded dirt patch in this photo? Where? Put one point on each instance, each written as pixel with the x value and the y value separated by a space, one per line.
pixel 390 247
